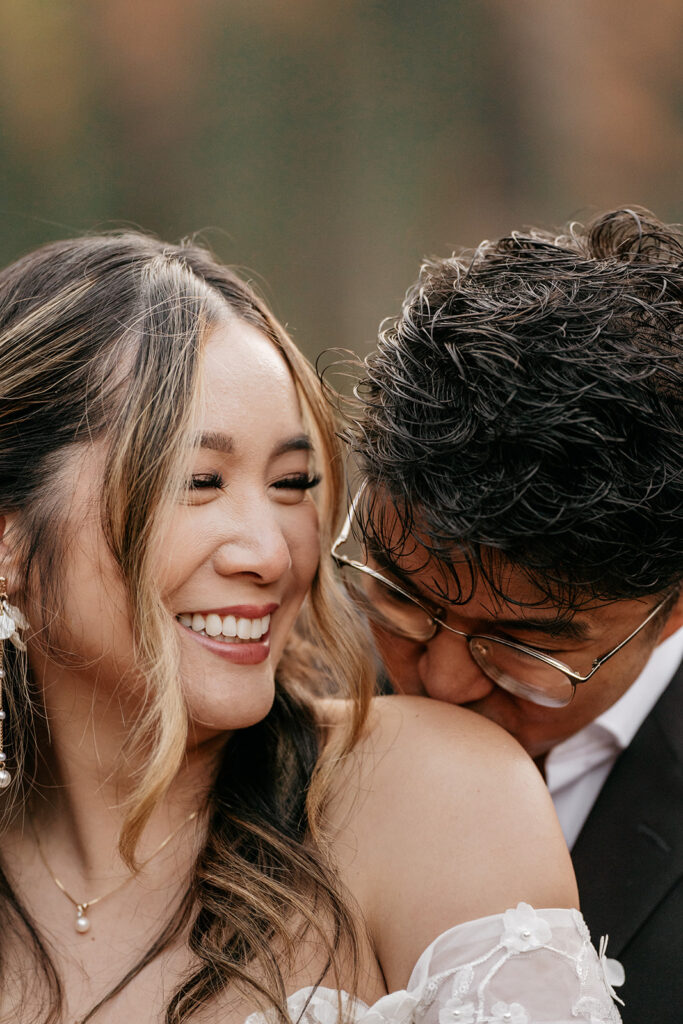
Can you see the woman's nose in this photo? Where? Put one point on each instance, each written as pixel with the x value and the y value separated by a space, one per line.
pixel 258 547
pixel 448 673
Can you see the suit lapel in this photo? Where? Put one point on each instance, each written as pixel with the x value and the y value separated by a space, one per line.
pixel 630 850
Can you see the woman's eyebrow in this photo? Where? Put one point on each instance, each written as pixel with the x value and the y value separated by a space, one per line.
pixel 298 443
pixel 219 442
pixel 216 441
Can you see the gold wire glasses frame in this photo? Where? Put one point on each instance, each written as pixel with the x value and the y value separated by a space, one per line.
pixel 489 652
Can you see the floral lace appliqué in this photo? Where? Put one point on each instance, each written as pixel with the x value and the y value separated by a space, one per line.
pixel 457 1012
pixel 508 1013
pixel 520 967
pixel 524 929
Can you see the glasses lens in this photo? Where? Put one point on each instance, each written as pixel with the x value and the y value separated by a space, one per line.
pixel 521 674
pixel 386 607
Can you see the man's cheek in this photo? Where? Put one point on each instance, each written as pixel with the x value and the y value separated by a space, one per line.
pixel 400 658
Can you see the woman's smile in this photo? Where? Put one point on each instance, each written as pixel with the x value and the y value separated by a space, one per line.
pixel 240 633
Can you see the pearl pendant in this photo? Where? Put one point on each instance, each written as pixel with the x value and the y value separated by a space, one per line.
pixel 5 778
pixel 82 924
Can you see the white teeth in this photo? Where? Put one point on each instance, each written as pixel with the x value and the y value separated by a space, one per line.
pixel 244 629
pixel 230 626
pixel 214 625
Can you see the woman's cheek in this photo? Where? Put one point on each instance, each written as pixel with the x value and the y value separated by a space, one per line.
pixel 305 546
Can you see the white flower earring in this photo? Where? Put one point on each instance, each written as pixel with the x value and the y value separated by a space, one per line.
pixel 11 621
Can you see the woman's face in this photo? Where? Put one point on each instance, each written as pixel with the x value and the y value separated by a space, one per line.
pixel 234 562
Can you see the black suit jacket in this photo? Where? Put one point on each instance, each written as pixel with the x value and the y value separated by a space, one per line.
pixel 629 865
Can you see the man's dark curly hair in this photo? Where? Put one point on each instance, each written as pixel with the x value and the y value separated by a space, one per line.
pixel 527 402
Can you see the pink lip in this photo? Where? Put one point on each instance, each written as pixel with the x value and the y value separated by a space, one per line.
pixel 244 611
pixel 243 653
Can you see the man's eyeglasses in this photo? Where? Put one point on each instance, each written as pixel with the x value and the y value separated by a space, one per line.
pixel 526 673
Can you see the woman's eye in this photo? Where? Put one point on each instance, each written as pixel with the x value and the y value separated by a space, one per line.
pixel 205 481
pixel 297 482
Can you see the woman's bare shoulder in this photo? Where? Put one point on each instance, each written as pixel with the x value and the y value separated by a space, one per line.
pixel 446 809
pixel 415 714
pixel 412 719
pixel 413 736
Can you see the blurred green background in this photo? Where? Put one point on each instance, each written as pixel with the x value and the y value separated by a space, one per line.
pixel 327 145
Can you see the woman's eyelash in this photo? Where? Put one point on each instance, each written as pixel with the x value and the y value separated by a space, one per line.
pixel 298 482
pixel 205 481
pixel 294 482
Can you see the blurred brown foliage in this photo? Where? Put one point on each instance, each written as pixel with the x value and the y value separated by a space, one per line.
pixel 329 146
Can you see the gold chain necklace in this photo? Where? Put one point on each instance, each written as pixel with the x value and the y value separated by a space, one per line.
pixel 82 922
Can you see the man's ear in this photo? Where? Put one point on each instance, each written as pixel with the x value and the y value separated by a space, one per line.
pixel 9 566
pixel 674 620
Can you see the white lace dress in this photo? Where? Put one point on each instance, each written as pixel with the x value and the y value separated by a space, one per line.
pixel 520 967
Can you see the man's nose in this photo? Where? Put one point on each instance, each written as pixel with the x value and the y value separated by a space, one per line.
pixel 448 672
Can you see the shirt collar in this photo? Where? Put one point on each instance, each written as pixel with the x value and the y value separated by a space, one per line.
pixel 603 739
pixel 623 719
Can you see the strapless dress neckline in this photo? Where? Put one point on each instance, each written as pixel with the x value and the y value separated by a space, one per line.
pixel 524 966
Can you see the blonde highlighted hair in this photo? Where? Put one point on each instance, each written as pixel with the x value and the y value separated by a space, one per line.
pixel 101 337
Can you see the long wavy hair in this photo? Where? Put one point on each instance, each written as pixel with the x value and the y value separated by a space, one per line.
pixel 101 337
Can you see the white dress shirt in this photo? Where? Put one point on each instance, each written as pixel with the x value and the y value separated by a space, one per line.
pixel 576 769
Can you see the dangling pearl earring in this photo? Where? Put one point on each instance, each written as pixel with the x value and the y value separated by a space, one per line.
pixel 5 777
pixel 11 621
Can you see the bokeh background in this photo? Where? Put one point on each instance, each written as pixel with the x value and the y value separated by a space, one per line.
pixel 325 146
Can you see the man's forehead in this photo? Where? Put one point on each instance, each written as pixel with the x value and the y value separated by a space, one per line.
pixel 452 576
pixel 511 603
pixel 497 585
pixel 488 587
